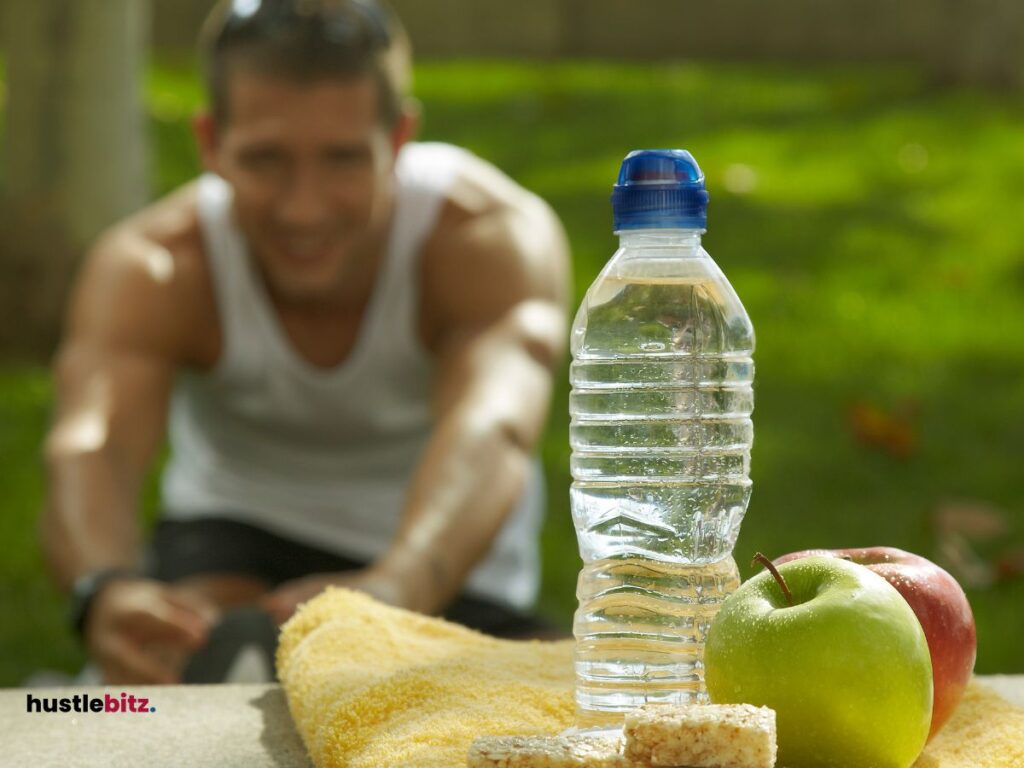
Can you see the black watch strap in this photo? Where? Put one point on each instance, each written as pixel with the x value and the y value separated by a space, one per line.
pixel 85 589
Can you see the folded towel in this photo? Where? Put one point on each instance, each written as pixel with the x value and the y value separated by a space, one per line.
pixel 985 732
pixel 371 686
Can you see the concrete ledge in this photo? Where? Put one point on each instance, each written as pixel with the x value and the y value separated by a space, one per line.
pixel 199 726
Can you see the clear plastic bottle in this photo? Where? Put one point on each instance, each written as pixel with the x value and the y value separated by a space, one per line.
pixel 661 432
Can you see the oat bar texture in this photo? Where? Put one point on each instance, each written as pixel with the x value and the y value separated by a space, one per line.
pixel 702 736
pixel 577 751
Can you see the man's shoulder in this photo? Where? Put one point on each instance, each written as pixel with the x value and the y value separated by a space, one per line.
pixel 170 224
pixel 479 188
pixel 483 208
pixel 146 281
pixel 495 244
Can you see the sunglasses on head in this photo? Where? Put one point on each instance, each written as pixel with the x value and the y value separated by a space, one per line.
pixel 340 23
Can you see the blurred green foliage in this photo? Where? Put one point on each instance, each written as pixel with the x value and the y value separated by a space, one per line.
pixel 870 223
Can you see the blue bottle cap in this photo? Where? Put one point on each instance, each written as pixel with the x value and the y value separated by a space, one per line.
pixel 660 189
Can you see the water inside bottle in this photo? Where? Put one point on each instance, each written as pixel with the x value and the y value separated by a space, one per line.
pixel 661 434
pixel 640 631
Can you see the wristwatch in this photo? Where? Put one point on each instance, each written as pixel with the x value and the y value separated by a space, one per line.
pixel 85 589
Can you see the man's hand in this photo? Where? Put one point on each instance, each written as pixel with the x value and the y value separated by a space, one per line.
pixel 377 582
pixel 142 631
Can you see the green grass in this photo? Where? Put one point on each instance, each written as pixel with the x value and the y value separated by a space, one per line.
pixel 879 251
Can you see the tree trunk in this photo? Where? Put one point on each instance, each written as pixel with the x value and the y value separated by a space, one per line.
pixel 74 150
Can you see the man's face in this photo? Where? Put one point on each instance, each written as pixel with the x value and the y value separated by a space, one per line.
pixel 311 167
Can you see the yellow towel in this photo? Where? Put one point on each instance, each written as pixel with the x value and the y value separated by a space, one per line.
pixel 370 686
pixel 984 732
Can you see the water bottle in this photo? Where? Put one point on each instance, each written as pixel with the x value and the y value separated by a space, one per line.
pixel 661 432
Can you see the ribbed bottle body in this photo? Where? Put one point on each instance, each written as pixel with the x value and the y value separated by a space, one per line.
pixel 661 434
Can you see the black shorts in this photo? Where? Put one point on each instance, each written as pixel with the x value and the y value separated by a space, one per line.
pixel 183 548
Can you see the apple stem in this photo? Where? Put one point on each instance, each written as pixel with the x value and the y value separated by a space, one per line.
pixel 760 558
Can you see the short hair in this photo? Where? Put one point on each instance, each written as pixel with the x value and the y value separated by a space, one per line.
pixel 307 41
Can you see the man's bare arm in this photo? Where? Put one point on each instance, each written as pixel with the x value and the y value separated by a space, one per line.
pixel 504 280
pixel 113 376
pixel 109 421
pixel 128 331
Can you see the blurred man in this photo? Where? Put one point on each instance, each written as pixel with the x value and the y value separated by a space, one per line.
pixel 349 338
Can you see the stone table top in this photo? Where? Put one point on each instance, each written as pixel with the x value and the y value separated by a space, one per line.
pixel 199 726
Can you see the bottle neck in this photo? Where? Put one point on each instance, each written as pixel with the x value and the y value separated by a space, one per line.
pixel 660 238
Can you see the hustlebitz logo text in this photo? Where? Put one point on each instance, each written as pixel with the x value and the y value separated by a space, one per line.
pixel 125 704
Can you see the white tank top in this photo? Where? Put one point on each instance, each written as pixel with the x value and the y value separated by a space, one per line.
pixel 324 456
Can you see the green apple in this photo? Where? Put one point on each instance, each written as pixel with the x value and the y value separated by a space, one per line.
pixel 939 604
pixel 842 660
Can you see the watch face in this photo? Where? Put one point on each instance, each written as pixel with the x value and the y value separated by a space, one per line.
pixel 84 585
pixel 81 594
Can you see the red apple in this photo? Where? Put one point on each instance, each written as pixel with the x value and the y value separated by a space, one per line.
pixel 940 605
